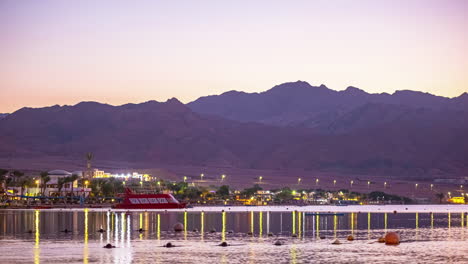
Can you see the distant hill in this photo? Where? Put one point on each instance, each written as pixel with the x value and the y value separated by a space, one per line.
pixel 300 104
pixel 402 140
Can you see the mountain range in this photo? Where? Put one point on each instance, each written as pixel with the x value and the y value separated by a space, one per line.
pixel 291 126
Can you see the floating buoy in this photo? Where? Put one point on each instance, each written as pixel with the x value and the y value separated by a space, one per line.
pixel 395 212
pixel 141 230
pixel 392 238
pixel 278 243
pixel 30 231
pixel 178 227
pixel 101 230
pixel 270 234
pixel 109 246
pixel 336 242
pixel 66 231
pixel 249 233
pixel 230 231
pixel 322 237
pixel 223 244
pixel 195 230
pixel 293 235
pixel 169 245
pixel 381 240
pixel 213 230
pixel 350 238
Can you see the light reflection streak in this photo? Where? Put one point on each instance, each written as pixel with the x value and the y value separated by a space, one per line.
pixel 116 229
pixel 317 222
pixel 252 221
pixel 368 225
pixel 385 222
pixel 352 223
pixel 260 223
pixel 159 227
pixel 202 224
pixel 185 225
pixel 417 226
pixel 268 222
pixel 123 225
pixel 128 230
pixel 432 220
pixel 37 250
pixel 293 253
pixel 85 246
pixel 293 222
pixel 108 227
pixel 335 224
pixel 449 220
pixel 299 224
pixel 462 219
pixel 141 226
pixel 223 230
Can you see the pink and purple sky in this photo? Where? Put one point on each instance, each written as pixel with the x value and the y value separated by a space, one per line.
pixel 64 52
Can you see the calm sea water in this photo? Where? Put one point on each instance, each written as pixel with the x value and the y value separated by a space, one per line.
pixel 426 238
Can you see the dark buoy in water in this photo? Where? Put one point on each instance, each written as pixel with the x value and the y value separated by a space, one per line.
pixel 109 246
pixel 395 212
pixel 65 230
pixel 213 230
pixel 270 234
pixel 231 232
pixel 169 245
pixel 293 235
pixel 350 238
pixel 101 230
pixel 195 230
pixel 141 230
pixel 178 227
pixel 30 231
pixel 322 237
pixel 223 244
pixel 336 242
pixel 278 243
pixel 250 233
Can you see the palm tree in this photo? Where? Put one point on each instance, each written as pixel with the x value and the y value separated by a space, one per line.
pixel 89 158
pixel 25 182
pixel 440 196
pixel 45 178
pixel 3 178
pixel 71 180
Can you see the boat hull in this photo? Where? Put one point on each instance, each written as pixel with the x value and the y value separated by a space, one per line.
pixel 149 201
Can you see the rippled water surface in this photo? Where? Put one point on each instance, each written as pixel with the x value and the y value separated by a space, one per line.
pixel 30 236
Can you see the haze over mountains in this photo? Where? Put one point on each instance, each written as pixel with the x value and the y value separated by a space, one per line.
pixel 293 125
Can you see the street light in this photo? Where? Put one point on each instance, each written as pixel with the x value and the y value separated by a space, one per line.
pixel 334 183
pixel 385 185
pixel 201 176
pixel 351 183
pixel 461 187
pixel 449 193
pixel 316 182
pixel 299 181
pixel 432 185
pixel 416 186
pixel 86 184
pixel 260 179
pixel 222 177
pixel 368 184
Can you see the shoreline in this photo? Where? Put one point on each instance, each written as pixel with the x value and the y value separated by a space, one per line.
pixel 427 208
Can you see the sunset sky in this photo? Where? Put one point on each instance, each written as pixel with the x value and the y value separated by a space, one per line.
pixel 64 52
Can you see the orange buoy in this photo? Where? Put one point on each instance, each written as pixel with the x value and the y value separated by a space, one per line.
pixel 350 238
pixel 392 238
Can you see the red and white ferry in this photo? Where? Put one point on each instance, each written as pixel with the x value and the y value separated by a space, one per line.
pixel 149 201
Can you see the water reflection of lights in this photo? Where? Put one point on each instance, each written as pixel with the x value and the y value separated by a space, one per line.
pixel 385 222
pixel 268 222
pixel 128 230
pixel 122 228
pixel 293 222
pixel 352 223
pixel 223 230
pixel 202 224
pixel 37 250
pixel 432 220
pixel 299 223
pixel 252 222
pixel 368 225
pixel 85 246
pixel 159 227
pixel 141 226
pixel 185 225
pixel 116 229
pixel 293 253
pixel 335 225
pixel 317 222
pixel 260 223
